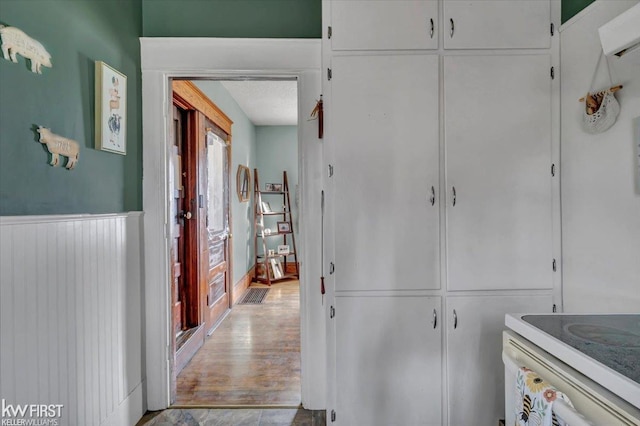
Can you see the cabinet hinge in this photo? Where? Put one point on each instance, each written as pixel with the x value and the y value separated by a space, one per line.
pixel 330 170
pixel 553 170
pixel 554 265
pixel 553 28
pixel 332 268
pixel 554 309
pixel 330 31
pixel 332 312
pixel 553 73
pixel 329 74
pixel 333 415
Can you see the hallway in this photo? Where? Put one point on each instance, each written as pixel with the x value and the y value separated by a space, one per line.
pixel 252 358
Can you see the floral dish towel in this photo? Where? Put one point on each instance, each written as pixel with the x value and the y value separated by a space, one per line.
pixel 534 400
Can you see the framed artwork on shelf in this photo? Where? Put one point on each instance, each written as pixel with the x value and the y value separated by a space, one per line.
pixel 276 268
pixel 277 187
pixel 111 109
pixel 283 249
pixel 268 187
pixel 266 207
pixel 284 227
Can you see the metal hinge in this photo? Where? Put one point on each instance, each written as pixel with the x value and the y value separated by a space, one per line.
pixel 553 73
pixel 330 170
pixel 332 312
pixel 554 265
pixel 553 170
pixel 553 27
pixel 554 309
pixel 329 74
pixel 332 268
pixel 330 31
pixel 333 415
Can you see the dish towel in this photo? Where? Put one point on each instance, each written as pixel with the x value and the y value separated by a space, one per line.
pixel 534 400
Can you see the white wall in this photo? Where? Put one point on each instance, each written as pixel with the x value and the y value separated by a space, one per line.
pixel 600 194
pixel 71 318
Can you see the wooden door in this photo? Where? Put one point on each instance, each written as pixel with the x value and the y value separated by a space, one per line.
pixel 384 24
pixel 474 346
pixel 498 172
pixel 385 127
pixel 178 310
pixel 388 360
pixel 215 254
pixel 497 24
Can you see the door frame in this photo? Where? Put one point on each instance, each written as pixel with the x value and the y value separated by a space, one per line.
pixel 163 59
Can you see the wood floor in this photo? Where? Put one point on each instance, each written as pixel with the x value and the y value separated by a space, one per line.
pixel 252 358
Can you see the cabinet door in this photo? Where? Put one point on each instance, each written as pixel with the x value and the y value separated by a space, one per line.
pixel 384 24
pixel 385 132
pixel 497 24
pixel 498 162
pixel 474 354
pixel 388 361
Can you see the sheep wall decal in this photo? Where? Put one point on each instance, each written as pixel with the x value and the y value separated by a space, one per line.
pixel 15 41
pixel 59 145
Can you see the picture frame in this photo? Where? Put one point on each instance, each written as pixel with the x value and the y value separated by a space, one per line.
pixel 266 207
pixel 284 227
pixel 276 268
pixel 243 176
pixel 283 249
pixel 277 187
pixel 268 187
pixel 110 109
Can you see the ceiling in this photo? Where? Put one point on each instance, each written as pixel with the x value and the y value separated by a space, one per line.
pixel 266 103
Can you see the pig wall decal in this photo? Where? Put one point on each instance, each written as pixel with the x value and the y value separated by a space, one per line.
pixel 15 41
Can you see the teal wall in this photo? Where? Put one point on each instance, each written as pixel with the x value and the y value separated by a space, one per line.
pixel 277 150
pixel 76 33
pixel 233 18
pixel 571 7
pixel 243 151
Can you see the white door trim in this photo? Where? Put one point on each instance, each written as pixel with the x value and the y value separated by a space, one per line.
pixel 165 58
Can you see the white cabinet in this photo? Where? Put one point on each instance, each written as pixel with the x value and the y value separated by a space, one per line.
pixel 388 361
pixel 384 24
pixel 474 344
pixel 384 129
pixel 497 24
pixel 498 172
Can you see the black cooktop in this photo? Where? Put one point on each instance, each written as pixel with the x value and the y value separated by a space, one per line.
pixel 613 340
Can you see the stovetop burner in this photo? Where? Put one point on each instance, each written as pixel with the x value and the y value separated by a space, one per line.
pixel 613 340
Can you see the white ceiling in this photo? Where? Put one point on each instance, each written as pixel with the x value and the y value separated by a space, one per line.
pixel 266 103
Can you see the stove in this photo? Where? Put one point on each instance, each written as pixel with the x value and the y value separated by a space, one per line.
pixel 603 347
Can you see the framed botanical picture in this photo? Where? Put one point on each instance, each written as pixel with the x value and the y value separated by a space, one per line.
pixel 276 187
pixel 111 109
pixel 268 187
pixel 283 249
pixel 284 227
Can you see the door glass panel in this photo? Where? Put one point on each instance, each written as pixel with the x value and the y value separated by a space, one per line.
pixel 216 190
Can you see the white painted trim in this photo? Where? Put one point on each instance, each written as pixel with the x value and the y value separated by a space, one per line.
pixel 24 220
pixel 165 58
pixel 129 411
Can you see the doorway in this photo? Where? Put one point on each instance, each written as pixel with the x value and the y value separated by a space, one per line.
pixel 165 58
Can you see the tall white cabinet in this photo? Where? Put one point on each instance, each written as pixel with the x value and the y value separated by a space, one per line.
pixel 441 201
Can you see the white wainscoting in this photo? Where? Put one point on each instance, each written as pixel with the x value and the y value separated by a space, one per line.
pixel 70 315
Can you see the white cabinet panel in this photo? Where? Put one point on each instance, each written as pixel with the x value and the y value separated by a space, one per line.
pixel 388 361
pixel 498 159
pixel 474 347
pixel 384 24
pixel 384 115
pixel 497 24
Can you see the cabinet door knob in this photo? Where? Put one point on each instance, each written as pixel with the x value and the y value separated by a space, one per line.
pixel 432 199
pixel 455 319
pixel 452 27
pixel 454 195
pixel 432 28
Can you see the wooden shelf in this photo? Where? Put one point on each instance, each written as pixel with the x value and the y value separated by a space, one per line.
pixel 273 192
pixel 275 256
pixel 286 277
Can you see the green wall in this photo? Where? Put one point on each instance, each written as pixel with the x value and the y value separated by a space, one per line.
pixel 233 18
pixel 243 151
pixel 571 7
pixel 75 33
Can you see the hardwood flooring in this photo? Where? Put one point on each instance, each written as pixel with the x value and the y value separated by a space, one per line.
pixel 252 358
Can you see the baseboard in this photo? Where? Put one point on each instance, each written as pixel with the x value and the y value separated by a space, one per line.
pixel 242 285
pixel 129 411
